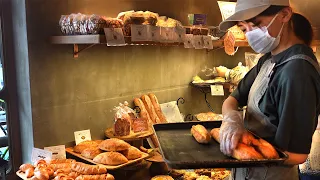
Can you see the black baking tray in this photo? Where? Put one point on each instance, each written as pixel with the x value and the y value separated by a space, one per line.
pixel 181 151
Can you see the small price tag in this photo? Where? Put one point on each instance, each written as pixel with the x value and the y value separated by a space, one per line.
pixel 197 42
pixel 166 34
pixel 154 33
pixel 207 42
pixel 38 154
pixel 139 33
pixel 81 136
pixel 180 34
pixel 58 152
pixel 114 37
pixel 217 90
pixel 188 41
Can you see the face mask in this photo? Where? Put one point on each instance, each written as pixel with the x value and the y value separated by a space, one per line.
pixel 260 40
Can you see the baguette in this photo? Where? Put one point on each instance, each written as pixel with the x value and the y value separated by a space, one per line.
pixel 88 169
pixel 59 161
pixel 92 177
pixel 201 134
pixel 143 111
pixel 157 108
pixel 148 104
pixel 60 166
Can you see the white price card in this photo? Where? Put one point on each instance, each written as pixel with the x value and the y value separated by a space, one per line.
pixel 217 90
pixel 139 33
pixel 38 154
pixel 81 136
pixel 207 42
pixel 197 42
pixel 58 152
pixel 180 34
pixel 114 37
pixel 167 34
pixel 188 41
pixel 154 33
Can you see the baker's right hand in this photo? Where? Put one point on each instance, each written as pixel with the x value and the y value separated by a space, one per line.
pixel 231 131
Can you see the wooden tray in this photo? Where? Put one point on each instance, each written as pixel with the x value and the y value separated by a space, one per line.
pixel 144 156
pixel 131 137
pixel 22 175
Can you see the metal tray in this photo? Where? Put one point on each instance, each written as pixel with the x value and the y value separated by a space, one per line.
pixel 181 151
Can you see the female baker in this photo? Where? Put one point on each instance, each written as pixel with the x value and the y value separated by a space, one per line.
pixel 281 92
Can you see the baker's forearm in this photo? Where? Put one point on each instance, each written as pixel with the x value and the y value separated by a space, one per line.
pixel 295 159
pixel 230 104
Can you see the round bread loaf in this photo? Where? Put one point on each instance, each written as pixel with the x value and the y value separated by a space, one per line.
pixel 114 144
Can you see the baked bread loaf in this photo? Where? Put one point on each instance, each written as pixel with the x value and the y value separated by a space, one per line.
pixel 84 145
pixel 110 158
pixel 62 171
pixel 245 152
pixel 215 134
pixel 114 144
pixel 59 161
pixel 148 105
pixel 140 125
pixel 121 127
pixel 157 108
pixel 110 177
pixel 90 153
pixel 162 177
pixel 60 166
pixel 201 134
pixel 266 149
pixel 143 111
pixel 132 153
pixel 88 169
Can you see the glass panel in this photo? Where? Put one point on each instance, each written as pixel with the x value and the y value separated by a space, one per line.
pixel 4 149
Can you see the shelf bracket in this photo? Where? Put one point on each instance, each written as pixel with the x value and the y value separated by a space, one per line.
pixel 76 50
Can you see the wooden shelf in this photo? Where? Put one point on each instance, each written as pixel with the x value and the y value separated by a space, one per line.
pixel 91 40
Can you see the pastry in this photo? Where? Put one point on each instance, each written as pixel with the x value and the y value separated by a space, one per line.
pixel 203 177
pixel 162 177
pixel 41 175
pixel 88 169
pixel 25 167
pixel 139 125
pixel 148 105
pixel 201 134
pixel 84 145
pixel 157 108
pixel 114 144
pixel 110 158
pixel 29 172
pixel 110 177
pixel 90 153
pixel 229 43
pixel 132 153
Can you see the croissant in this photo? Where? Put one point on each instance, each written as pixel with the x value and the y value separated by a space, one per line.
pixel 88 169
pixel 25 167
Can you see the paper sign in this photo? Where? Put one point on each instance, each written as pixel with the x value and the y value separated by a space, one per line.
pixel 38 154
pixel 154 33
pixel 217 90
pixel 207 42
pixel 166 34
pixel 81 136
pixel 188 41
pixel 180 34
pixel 139 33
pixel 114 37
pixel 197 42
pixel 58 152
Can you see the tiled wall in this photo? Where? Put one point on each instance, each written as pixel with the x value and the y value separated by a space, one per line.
pixel 74 94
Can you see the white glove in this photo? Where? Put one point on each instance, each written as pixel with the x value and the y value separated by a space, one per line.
pixel 231 131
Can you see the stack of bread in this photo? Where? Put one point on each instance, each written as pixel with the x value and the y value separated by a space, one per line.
pixel 150 109
pixel 112 152
pixel 116 152
pixel 126 121
pixel 64 169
